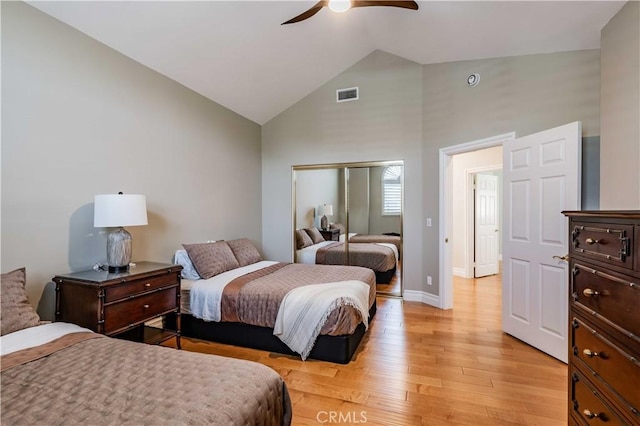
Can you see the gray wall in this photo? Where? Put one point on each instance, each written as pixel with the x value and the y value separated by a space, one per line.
pixel 385 124
pixel 379 224
pixel 620 109
pixel 80 119
pixel 525 94
pixel 408 110
pixel 313 188
pixel 359 200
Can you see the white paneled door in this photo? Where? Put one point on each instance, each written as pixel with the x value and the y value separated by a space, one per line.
pixel 541 179
pixel 486 225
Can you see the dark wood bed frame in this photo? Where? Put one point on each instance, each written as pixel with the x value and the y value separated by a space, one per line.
pixel 338 349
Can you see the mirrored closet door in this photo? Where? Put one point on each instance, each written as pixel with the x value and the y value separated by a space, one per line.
pixel 351 214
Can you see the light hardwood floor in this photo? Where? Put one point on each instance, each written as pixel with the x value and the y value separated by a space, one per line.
pixel 419 365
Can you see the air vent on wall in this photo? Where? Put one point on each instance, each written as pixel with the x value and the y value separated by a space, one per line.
pixel 344 95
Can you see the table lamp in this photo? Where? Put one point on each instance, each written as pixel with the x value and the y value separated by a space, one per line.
pixel 325 210
pixel 116 211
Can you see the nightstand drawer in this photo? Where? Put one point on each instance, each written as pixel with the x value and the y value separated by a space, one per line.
pixel 121 315
pixel 135 287
pixel 613 365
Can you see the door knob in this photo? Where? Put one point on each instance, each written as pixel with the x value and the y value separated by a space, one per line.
pixel 565 257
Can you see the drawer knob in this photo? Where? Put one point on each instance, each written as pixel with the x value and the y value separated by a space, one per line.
pixel 589 292
pixel 145 306
pixel 588 353
pixel 147 285
pixel 591 241
pixel 589 414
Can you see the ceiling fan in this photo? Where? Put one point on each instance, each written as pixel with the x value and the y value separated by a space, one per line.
pixel 344 5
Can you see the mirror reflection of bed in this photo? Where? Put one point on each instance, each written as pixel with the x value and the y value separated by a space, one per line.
pixel 365 227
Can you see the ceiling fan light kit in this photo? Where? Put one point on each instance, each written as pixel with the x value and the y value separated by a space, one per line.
pixel 344 5
pixel 339 6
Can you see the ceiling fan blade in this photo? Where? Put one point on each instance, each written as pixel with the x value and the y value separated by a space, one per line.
pixel 308 14
pixel 403 4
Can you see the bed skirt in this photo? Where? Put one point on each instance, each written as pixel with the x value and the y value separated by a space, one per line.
pixel 386 276
pixel 338 349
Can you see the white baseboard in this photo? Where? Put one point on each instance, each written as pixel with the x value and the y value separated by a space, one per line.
pixel 421 296
pixel 460 272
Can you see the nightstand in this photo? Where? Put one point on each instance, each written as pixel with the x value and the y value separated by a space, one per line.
pixel 119 304
pixel 330 234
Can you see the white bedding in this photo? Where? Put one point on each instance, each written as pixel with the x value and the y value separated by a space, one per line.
pixel 36 336
pixel 308 254
pixel 205 295
pixel 343 237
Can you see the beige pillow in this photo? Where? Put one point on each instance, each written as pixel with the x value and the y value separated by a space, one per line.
pixel 302 239
pixel 211 259
pixel 245 252
pixel 315 235
pixel 16 311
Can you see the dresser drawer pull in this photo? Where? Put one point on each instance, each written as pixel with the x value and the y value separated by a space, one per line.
pixel 588 353
pixel 591 241
pixel 145 306
pixel 589 414
pixel 589 292
pixel 147 285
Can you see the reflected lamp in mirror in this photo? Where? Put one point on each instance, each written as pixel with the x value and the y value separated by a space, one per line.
pixel 325 210
pixel 117 211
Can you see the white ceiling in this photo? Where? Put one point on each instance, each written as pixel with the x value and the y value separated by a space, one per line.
pixel 237 54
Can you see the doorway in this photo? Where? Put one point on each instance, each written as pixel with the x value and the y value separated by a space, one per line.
pixel 477 187
pixel 447 191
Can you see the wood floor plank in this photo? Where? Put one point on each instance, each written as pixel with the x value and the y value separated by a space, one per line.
pixel 419 365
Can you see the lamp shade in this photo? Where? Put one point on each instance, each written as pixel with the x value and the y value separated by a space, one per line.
pixel 326 210
pixel 111 210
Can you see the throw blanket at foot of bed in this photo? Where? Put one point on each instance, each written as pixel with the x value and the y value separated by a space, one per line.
pixel 304 311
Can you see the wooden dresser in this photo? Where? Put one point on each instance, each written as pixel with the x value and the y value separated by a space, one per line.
pixel 604 317
pixel 119 304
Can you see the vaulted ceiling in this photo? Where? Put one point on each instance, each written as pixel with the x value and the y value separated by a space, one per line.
pixel 237 54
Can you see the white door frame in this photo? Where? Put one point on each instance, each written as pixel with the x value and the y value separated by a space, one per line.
pixel 469 245
pixel 445 269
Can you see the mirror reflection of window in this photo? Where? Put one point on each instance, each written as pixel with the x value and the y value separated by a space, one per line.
pixel 392 191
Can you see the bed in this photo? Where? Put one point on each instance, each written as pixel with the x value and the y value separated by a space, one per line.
pixel 382 258
pixel 377 239
pixel 386 238
pixel 60 373
pixel 243 300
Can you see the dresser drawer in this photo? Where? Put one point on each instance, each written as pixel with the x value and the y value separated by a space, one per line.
pixel 611 243
pixel 135 287
pixel 588 404
pixel 123 314
pixel 617 368
pixel 609 295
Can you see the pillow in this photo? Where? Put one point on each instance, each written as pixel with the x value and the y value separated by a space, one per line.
pixel 16 311
pixel 337 226
pixel 211 259
pixel 315 235
pixel 302 239
pixel 245 252
pixel 189 271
